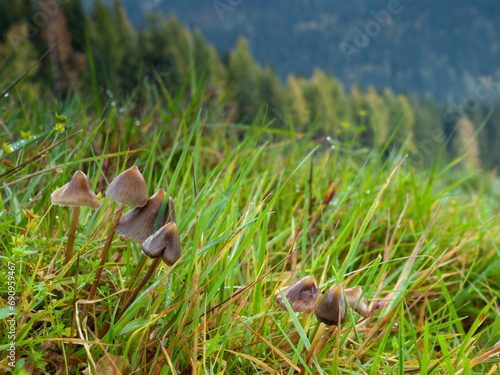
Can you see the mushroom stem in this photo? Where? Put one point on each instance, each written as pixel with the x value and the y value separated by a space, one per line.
pixel 134 294
pixel 305 317
pixel 138 269
pixel 325 339
pixel 71 235
pixel 314 343
pixel 104 255
pixel 73 318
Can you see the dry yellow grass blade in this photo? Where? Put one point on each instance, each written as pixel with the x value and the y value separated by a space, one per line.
pixel 273 348
pixel 254 360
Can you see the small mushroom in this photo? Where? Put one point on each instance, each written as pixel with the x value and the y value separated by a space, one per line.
pixel 301 296
pixel 76 193
pixel 165 243
pixel 331 307
pixel 138 223
pixel 356 302
pixel 330 310
pixel 128 188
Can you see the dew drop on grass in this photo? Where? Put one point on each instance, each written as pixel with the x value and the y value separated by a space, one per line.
pixel 122 110
pixel 57 216
pixel 137 123
pixel 109 93
pixel 113 104
pixel 328 139
pixel 168 295
pixel 6 95
pixel 368 191
pixel 333 147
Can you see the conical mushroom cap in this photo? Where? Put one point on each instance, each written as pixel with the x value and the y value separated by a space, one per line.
pixel 331 306
pixel 138 223
pixel 165 242
pixel 76 193
pixel 129 188
pixel 301 296
pixel 353 296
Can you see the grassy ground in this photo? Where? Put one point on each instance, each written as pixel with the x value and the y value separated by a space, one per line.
pixel 257 209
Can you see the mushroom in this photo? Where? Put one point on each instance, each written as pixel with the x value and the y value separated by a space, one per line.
pixel 76 193
pixel 301 296
pixel 137 224
pixel 128 188
pixel 165 243
pixel 330 310
pixel 356 302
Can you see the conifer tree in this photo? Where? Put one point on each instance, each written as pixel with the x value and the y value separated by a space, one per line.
pixel 465 143
pixel 107 51
pixel 378 115
pixel 243 75
pixel 76 21
pixel 297 103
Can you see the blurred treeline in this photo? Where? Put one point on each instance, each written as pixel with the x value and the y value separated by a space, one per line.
pixel 101 54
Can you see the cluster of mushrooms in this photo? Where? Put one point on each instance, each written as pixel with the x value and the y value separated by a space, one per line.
pixel 138 225
pixel 330 308
pixel 127 189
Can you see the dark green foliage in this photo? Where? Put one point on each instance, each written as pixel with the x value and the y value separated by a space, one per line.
pixel 75 17
pixel 432 47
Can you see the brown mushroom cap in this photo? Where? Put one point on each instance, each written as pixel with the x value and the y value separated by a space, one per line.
pixel 76 193
pixel 353 296
pixel 129 188
pixel 165 242
pixel 331 306
pixel 138 223
pixel 301 296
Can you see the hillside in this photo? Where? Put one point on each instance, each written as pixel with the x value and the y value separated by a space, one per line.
pixel 168 210
pixel 128 62
pixel 436 48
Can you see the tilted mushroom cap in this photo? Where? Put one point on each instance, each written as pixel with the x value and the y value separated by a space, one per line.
pixel 138 223
pixel 165 242
pixel 129 188
pixel 331 306
pixel 353 296
pixel 301 296
pixel 76 193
